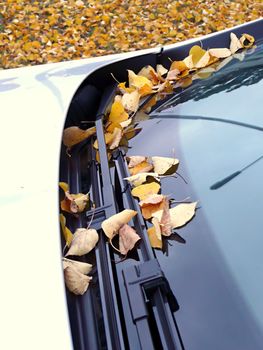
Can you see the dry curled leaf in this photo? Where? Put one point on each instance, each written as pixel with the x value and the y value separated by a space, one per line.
pixel 235 44
pixel 247 40
pixel 64 186
pixel 142 167
pixel 66 231
pixel 154 234
pixel 161 70
pixel 81 267
pixel 135 160
pixel 165 222
pixel 74 203
pixel 180 214
pixel 141 178
pixel 116 138
pixel 220 53
pixel 130 101
pixel 74 135
pixel 145 190
pixel 84 240
pixel 75 281
pixel 164 165
pixel 112 225
pixel 127 239
pixel 151 204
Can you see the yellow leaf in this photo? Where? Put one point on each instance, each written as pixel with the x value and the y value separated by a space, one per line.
pixel 164 165
pixel 138 81
pixel 64 186
pixel 112 225
pixel 204 61
pixel 66 231
pixel 117 113
pixel 143 167
pixel 116 138
pixel 145 190
pixel 123 89
pixel 74 203
pixel 151 204
pixel 188 61
pixel 154 234
pixel 179 65
pixel 111 126
pixel 108 139
pixel 247 40
pixel 74 135
pixel 197 53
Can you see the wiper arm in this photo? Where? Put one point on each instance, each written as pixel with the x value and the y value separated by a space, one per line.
pixel 224 181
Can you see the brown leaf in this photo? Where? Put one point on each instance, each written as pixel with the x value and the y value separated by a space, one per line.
pixel 75 281
pixel 84 240
pixel 112 225
pixel 74 135
pixel 145 190
pixel 81 267
pixel 165 223
pixel 127 239
pixel 154 234
pixel 180 215
pixel 151 204
pixel 74 203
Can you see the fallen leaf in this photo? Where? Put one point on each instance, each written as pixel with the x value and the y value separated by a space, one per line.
pixel 149 73
pixel 126 123
pixel 220 53
pixel 138 81
pixel 204 61
pixel 247 40
pixel 130 101
pixel 179 65
pixel 74 135
pixel 131 132
pixel 164 165
pixel 68 236
pixel 74 203
pixel 142 167
pixel 188 61
pixel 116 138
pixel 75 281
pixel 140 178
pixel 197 53
pixel 112 225
pixel 145 190
pixel 180 214
pixel 135 160
pixel 108 136
pixel 165 222
pixel 64 186
pixel 154 234
pixel 84 240
pixel 81 267
pixel 235 44
pixel 151 204
pixel 161 70
pixel 173 74
pixel 117 113
pixel 123 89
pixel 111 126
pixel 127 239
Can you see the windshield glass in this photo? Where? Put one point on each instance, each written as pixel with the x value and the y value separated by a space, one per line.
pixel 215 128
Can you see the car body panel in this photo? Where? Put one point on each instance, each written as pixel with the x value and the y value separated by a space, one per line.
pixel 34 103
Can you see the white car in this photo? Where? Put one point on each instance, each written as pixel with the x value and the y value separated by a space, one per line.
pixel 218 286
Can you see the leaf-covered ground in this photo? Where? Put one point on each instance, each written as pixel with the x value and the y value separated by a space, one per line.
pixel 34 32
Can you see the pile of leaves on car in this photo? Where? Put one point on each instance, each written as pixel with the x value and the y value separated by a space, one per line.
pixel 131 104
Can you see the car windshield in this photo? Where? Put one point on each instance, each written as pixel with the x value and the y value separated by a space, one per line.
pixel 215 264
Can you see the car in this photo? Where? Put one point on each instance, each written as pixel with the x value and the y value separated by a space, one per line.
pixel 203 290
